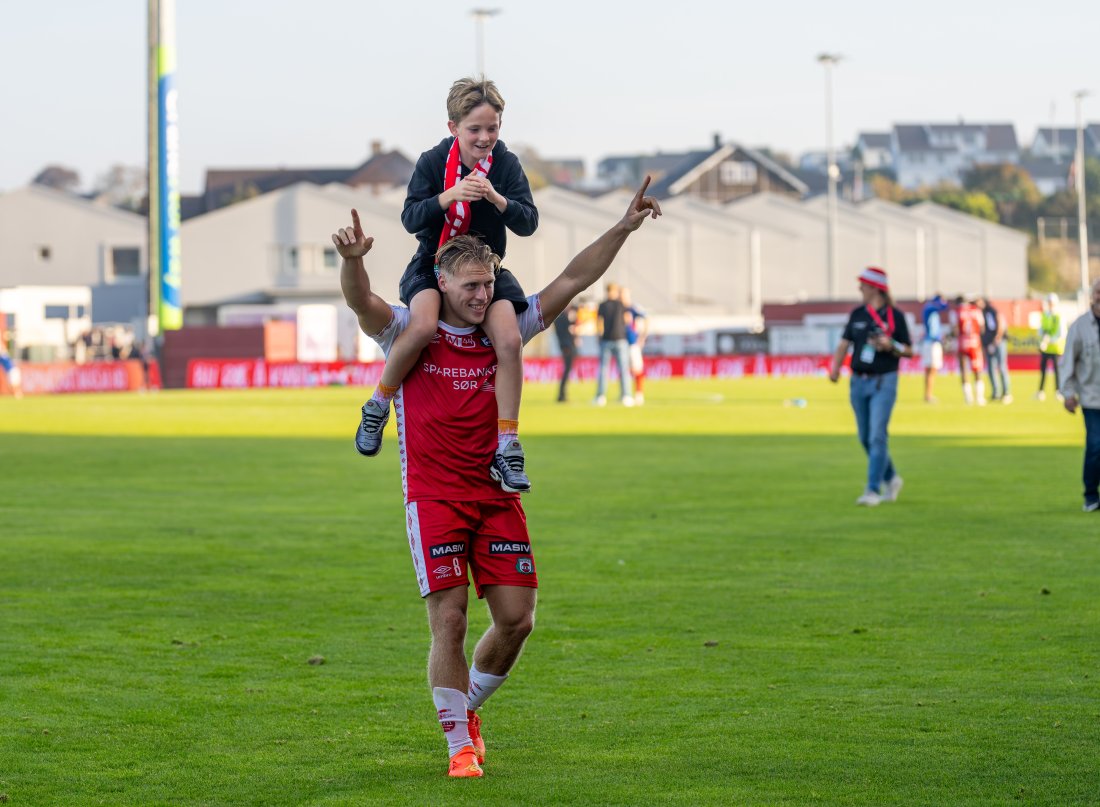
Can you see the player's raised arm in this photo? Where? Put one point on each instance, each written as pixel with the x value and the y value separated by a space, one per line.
pixel 593 260
pixel 352 243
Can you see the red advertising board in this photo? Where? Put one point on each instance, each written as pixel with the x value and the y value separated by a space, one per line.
pixel 252 373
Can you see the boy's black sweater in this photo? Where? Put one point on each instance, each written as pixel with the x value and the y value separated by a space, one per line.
pixel 423 216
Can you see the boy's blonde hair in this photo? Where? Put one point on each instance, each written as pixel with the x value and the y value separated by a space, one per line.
pixel 467 94
pixel 464 249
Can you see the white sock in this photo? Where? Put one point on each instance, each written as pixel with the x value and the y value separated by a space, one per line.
pixel 968 393
pixel 482 685
pixel 451 706
pixel 980 385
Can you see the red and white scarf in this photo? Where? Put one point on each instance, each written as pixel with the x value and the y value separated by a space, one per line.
pixel 456 219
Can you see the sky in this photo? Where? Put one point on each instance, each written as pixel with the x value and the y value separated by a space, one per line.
pixel 266 83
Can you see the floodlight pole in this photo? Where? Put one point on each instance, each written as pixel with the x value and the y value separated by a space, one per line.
pixel 480 15
pixel 1079 180
pixel 830 60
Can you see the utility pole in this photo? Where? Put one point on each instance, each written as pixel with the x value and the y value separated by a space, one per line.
pixel 830 60
pixel 480 15
pixel 1079 181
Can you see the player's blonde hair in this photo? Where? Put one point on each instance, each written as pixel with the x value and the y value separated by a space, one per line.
pixel 467 94
pixel 464 249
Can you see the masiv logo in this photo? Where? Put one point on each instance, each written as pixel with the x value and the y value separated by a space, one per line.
pixel 457 548
pixel 509 548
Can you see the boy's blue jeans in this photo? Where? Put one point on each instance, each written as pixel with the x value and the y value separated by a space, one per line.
pixel 873 400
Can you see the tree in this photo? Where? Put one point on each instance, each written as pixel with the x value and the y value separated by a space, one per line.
pixel 122 185
pixel 975 203
pixel 242 192
pixel 58 177
pixel 1011 189
pixel 883 187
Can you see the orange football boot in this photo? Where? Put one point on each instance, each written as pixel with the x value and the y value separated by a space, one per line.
pixel 474 723
pixel 464 763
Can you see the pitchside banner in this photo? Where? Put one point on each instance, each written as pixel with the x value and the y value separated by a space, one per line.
pixel 256 373
pixel 170 308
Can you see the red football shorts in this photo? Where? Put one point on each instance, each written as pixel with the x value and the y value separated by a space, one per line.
pixel 975 354
pixel 453 541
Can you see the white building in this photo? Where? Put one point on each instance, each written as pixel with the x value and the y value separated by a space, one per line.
pixel 924 249
pixel 53 238
pixel 795 264
pixel 276 248
pixel 928 154
pixel 973 256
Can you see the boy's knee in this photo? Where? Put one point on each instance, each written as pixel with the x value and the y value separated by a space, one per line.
pixel 508 345
pixel 421 332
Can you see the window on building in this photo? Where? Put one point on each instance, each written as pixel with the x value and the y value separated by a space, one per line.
pixel 331 259
pixel 125 262
pixel 56 312
pixel 292 258
pixel 43 253
pixel 733 172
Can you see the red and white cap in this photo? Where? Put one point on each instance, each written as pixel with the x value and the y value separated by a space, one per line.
pixel 873 276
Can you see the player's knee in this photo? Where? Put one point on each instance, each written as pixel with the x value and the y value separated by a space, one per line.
pixel 517 626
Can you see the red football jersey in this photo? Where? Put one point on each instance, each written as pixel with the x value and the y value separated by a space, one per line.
pixel 446 411
pixel 970 327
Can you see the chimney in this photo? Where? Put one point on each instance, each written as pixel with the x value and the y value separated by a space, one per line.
pixel 375 148
pixel 717 140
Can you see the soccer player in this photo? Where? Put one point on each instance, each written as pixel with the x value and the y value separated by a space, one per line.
pixel 931 348
pixel 460 525
pixel 469 182
pixel 969 325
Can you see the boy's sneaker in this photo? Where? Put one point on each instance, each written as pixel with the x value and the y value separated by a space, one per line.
pixel 599 400
pixel 892 488
pixel 869 499
pixel 464 763
pixel 368 437
pixel 1006 400
pixel 474 724
pixel 1091 506
pixel 507 468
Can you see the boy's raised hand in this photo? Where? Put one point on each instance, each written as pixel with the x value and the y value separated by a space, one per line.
pixel 352 242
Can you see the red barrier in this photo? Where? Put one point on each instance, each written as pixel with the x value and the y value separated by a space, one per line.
pixel 251 373
pixel 65 377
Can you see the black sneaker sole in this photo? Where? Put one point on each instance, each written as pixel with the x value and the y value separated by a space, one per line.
pixel 368 453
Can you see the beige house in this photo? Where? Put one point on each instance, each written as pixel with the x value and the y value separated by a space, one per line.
pixel 54 238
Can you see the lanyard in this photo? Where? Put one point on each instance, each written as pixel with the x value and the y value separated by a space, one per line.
pixel 888 326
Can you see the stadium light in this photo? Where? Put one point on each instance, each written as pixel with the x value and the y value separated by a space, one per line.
pixel 830 60
pixel 1079 180
pixel 480 15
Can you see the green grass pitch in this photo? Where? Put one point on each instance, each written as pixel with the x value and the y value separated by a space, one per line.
pixel 718 623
